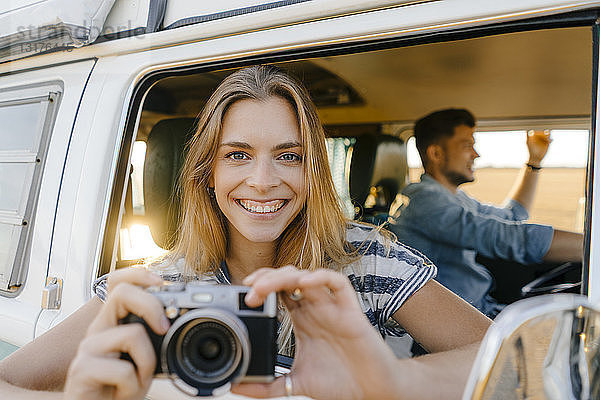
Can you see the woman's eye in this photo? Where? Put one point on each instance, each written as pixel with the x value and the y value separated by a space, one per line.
pixel 290 157
pixel 237 155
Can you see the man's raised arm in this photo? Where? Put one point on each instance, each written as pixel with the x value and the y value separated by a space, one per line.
pixel 523 190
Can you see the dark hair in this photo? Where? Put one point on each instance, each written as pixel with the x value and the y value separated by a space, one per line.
pixel 432 128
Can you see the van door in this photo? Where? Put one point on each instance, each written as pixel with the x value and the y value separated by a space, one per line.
pixel 592 230
pixel 38 108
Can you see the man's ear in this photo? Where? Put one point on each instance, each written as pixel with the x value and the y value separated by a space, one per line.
pixel 435 154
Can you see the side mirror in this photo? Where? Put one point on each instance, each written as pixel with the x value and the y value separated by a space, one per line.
pixel 545 347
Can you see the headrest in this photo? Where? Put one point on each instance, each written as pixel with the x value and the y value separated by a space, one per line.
pixel 377 160
pixel 164 158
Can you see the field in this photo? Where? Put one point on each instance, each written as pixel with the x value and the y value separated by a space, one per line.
pixel 559 198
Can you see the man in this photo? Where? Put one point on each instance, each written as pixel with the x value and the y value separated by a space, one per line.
pixel 450 227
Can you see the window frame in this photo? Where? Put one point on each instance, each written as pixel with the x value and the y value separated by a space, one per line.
pixel 49 95
pixel 147 79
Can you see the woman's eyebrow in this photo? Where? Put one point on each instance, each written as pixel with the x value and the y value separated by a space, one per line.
pixel 286 145
pixel 239 145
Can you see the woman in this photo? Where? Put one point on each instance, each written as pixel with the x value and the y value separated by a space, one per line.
pixel 256 192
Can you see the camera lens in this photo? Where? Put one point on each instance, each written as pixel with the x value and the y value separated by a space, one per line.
pixel 205 349
pixel 209 350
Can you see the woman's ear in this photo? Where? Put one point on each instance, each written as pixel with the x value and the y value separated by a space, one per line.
pixel 211 188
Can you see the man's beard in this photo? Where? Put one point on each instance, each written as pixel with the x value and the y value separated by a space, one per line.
pixel 457 178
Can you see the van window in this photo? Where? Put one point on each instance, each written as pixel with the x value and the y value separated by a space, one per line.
pixel 26 118
pixel 368 102
pixel 560 193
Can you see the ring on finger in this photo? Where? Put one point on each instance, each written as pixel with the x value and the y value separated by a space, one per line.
pixel 288 385
pixel 296 295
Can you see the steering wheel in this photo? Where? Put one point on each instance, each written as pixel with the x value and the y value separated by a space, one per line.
pixel 541 285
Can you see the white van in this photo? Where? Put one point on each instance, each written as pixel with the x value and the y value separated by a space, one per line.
pixel 88 96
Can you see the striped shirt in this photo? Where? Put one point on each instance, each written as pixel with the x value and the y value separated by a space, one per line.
pixel 384 277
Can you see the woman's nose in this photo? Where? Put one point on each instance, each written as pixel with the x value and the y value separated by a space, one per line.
pixel 263 175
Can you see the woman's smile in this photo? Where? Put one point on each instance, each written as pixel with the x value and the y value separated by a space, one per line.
pixel 262 207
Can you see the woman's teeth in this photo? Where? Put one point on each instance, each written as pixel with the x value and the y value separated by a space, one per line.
pixel 257 208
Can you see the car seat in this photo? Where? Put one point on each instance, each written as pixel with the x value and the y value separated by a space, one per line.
pixel 165 153
pixel 378 172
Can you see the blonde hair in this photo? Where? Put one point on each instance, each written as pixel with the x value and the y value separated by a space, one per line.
pixel 316 236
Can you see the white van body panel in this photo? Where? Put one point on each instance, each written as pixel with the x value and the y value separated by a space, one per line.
pixel 21 312
pixel 594 261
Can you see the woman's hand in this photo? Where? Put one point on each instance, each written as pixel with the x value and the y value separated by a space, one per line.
pixel 338 353
pixel 97 372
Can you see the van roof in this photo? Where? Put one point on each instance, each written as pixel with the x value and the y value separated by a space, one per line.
pixel 34 27
pixel 38 29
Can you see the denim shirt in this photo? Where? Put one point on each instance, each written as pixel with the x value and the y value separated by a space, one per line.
pixel 451 229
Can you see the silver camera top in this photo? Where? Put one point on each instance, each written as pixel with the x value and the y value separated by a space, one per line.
pixel 201 295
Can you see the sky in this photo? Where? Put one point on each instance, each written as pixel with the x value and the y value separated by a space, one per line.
pixel 508 149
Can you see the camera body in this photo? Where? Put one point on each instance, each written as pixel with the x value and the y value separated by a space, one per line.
pixel 214 338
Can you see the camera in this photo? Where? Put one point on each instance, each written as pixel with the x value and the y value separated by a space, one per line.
pixel 214 339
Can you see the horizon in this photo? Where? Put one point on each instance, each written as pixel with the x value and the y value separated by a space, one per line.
pixel 508 149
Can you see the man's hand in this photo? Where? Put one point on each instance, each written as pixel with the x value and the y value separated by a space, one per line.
pixel 537 144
